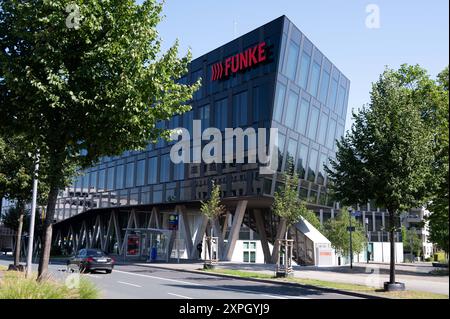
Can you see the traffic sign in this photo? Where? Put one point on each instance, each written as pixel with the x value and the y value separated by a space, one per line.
pixel 173 221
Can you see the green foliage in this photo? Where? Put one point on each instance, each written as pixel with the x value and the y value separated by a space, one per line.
pixel 11 218
pixel 15 285
pixel 311 217
pixel 411 242
pixel 438 115
pixel 78 94
pixel 87 290
pixel 288 205
pixel 387 156
pixel 336 231
pixel 17 163
pixel 440 257
pixel 212 207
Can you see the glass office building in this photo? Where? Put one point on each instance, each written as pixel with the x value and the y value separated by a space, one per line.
pixel 271 77
pixel 295 89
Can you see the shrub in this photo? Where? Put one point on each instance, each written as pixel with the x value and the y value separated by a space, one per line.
pixel 439 256
pixel 15 285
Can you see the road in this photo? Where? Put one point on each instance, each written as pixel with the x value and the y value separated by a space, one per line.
pixel 137 282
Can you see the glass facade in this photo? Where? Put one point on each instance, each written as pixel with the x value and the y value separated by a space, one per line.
pixel 296 90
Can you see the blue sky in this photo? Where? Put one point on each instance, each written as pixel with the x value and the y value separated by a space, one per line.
pixel 410 32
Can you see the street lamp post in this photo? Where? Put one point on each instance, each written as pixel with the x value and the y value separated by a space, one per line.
pixel 351 247
pixel 382 244
pixel 366 228
pixel 32 217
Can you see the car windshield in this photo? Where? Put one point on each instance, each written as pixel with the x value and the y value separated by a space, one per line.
pixel 94 252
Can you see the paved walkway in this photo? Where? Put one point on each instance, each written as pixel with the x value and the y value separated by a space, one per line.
pixel 415 276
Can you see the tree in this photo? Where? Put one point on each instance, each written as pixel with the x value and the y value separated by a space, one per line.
pixel 16 176
pixel 437 118
pixel 336 230
pixel 288 205
pixel 213 209
pixel 411 242
pixel 74 82
pixel 387 156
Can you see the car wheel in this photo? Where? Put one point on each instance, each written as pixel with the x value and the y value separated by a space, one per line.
pixel 108 271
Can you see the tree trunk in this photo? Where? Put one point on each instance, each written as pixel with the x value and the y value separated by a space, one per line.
pixel 19 235
pixel 47 233
pixel 392 246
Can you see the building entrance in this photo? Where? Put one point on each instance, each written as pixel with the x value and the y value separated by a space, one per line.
pixel 148 244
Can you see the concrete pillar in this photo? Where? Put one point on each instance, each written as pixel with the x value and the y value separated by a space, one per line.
pixel 186 229
pixel 321 216
pixel 373 222
pixel 262 235
pixel 235 228
pixel 199 235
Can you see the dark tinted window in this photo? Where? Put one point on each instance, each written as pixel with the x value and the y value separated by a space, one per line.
pixel 95 252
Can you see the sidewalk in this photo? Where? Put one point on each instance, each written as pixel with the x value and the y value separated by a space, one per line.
pixel 414 276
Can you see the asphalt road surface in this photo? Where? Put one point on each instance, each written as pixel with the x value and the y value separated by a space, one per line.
pixel 138 282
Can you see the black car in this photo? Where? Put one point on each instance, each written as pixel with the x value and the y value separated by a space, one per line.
pixel 91 260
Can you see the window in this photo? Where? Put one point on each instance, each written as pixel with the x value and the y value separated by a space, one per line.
pixel 161 142
pixel 291 65
pixel 130 175
pixel 322 128
pixel 178 171
pixel 249 251
pixel 290 159
pixel 312 165
pixel 140 174
pixel 333 91
pixel 240 109
pixel 313 121
pixel 291 109
pixel 304 70
pixel 110 180
pixel 85 184
pixel 261 103
pixel 322 163
pixel 101 179
pixel 330 135
pixel 315 75
pixel 302 120
pixel 281 91
pixel 93 180
pixel 221 112
pixel 339 132
pixel 301 160
pixel 340 101
pixel 203 113
pixel 324 86
pixel 188 118
pixel 165 168
pixel 119 176
pixel 194 77
pixel 152 170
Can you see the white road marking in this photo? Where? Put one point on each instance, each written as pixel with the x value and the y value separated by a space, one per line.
pixel 276 297
pixel 127 283
pixel 195 284
pixel 181 296
pixel 160 278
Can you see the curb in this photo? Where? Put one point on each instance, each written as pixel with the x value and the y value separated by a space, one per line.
pixel 269 281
